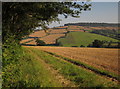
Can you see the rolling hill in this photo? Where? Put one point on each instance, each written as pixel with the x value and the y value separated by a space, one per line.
pixel 82 38
pixel 53 34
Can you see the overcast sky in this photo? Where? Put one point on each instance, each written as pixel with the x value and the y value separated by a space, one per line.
pixel 102 12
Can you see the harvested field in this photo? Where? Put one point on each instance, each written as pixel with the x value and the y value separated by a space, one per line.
pixel 111 28
pixel 103 28
pixel 79 28
pixel 102 58
pixel 62 27
pixel 38 34
pixel 76 30
pixel 58 31
pixel 51 39
pixel 26 40
pixel 31 43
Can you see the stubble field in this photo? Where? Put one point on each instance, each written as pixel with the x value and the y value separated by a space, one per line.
pixel 102 58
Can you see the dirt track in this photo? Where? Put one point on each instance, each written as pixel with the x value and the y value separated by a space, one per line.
pixel 102 58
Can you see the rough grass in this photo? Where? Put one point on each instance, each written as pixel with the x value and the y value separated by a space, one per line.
pixel 35 73
pixel 100 58
pixel 80 76
pixel 82 38
pixel 86 66
pixel 29 71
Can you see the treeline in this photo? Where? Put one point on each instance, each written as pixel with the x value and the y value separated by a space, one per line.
pixel 104 44
pixel 109 33
pixel 98 44
pixel 94 24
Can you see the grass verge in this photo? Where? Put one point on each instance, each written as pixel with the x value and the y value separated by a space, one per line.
pixel 80 76
pixel 30 72
pixel 98 71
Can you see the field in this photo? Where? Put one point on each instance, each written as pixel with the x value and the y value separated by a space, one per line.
pixel 51 39
pixel 58 31
pixel 38 34
pixel 52 34
pixel 103 58
pixel 69 74
pixel 82 38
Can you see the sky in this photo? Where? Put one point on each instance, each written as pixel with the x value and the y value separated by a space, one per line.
pixel 101 12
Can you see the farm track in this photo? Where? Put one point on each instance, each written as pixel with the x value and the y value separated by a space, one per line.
pixel 92 54
pixel 101 58
pixel 61 79
pixel 83 66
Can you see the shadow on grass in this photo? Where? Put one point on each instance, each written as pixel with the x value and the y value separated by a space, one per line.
pixel 36 45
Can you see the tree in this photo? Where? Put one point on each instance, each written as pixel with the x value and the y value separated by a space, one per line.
pixel 20 18
pixel 97 43
pixel 40 42
pixel 82 46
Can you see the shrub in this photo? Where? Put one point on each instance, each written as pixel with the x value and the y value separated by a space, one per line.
pixel 97 43
pixel 82 46
pixel 40 42
pixel 74 46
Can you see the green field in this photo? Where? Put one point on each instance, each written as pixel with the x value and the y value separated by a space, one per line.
pixel 82 38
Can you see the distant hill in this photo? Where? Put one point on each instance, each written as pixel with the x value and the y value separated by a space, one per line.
pixel 93 24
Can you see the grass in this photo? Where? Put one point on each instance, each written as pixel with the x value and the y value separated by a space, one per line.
pixel 29 71
pixel 36 73
pixel 0 65
pixel 82 38
pixel 99 71
pixel 78 75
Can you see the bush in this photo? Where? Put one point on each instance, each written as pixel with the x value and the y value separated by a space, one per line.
pixel 40 42
pixel 97 43
pixel 82 46
pixel 74 46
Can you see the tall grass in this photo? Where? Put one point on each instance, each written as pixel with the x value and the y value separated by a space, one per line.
pixel 29 71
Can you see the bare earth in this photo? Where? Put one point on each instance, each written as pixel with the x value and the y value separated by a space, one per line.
pixel 102 58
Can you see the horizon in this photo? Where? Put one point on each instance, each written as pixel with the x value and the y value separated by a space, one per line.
pixel 101 12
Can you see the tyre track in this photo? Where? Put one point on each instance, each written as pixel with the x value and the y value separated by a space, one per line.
pixel 112 78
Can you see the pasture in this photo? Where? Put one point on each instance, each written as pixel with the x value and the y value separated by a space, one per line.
pixel 82 38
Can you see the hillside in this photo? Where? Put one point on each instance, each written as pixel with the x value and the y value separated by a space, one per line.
pixel 82 38
pixel 94 24
pixel 51 35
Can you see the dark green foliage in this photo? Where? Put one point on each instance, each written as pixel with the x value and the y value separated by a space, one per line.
pixel 82 46
pixel 94 24
pixel 97 43
pixel 109 33
pixel 104 44
pixel 12 53
pixel 40 42
pixel 74 46
pixel 20 18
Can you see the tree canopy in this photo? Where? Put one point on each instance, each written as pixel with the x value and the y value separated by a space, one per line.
pixel 20 18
